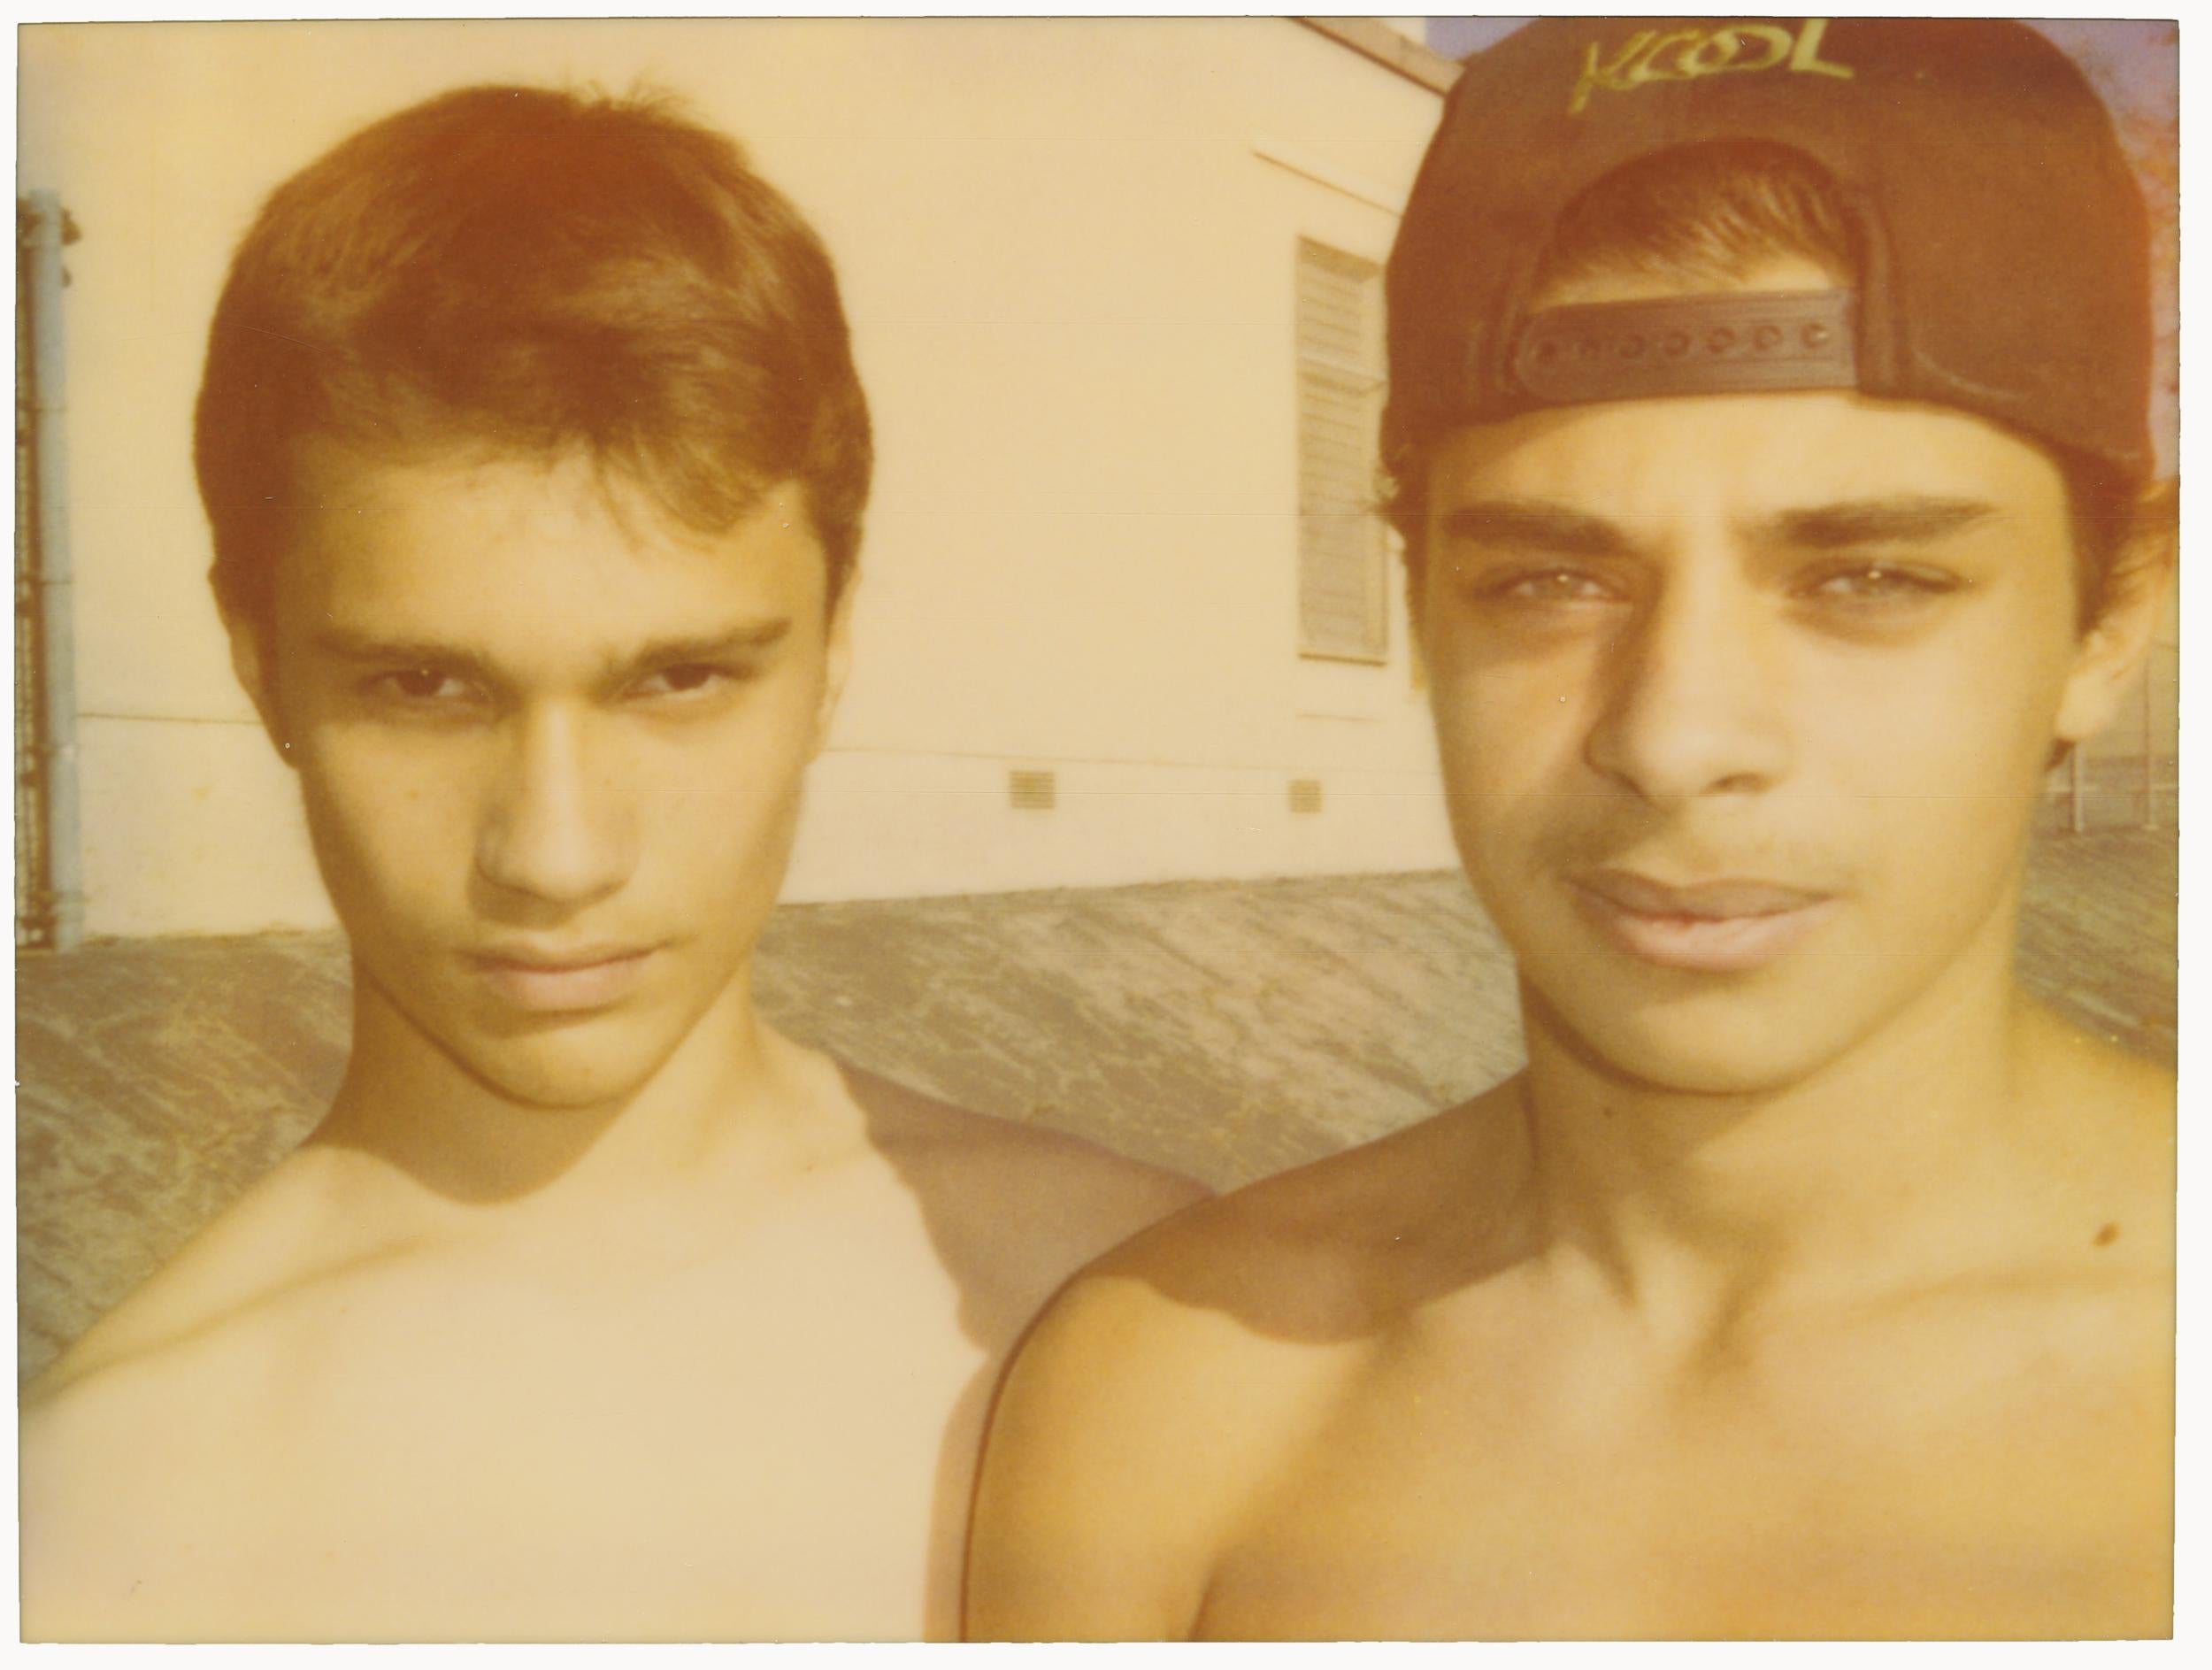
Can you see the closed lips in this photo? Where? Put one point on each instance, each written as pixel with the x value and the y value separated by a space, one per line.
pixel 1710 928
pixel 591 979
pixel 549 962
pixel 1712 901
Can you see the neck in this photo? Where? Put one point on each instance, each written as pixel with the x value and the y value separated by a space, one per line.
pixel 730 1083
pixel 1882 1165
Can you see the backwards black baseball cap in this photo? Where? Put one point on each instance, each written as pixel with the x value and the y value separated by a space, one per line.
pixel 2006 249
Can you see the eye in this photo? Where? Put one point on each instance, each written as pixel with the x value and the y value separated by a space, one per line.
pixel 419 686
pixel 1546 586
pixel 1868 582
pixel 686 679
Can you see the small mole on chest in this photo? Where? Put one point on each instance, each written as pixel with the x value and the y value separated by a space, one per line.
pixel 2107 1235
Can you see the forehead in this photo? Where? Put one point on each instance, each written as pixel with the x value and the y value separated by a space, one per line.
pixel 494 549
pixel 1745 457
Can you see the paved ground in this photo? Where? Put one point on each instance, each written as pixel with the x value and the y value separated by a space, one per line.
pixel 1226 1029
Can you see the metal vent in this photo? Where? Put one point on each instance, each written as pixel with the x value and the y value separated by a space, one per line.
pixel 1305 794
pixel 1032 790
pixel 1343 604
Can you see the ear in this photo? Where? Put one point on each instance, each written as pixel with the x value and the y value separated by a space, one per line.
pixel 251 660
pixel 837 659
pixel 2113 651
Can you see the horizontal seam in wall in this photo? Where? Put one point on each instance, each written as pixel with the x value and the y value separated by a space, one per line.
pixel 1035 761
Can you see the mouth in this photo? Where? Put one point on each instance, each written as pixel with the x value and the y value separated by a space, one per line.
pixel 549 983
pixel 1719 926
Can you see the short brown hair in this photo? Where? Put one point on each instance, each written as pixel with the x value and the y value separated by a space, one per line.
pixel 520 270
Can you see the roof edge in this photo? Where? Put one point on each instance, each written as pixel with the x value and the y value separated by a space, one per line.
pixel 1371 38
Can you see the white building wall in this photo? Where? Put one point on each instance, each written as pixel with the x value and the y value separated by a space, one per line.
pixel 1067 250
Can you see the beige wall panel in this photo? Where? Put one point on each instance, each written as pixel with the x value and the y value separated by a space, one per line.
pixel 901 829
pixel 233 855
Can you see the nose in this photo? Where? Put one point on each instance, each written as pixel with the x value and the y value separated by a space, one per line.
pixel 1693 702
pixel 556 826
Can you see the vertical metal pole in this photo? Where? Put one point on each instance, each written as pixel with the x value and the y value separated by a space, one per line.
pixel 2150 779
pixel 2075 809
pixel 57 675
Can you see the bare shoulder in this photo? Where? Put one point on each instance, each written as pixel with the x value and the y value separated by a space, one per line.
pixel 164 1403
pixel 2083 1068
pixel 1136 1428
pixel 1330 1253
pixel 1169 1387
pixel 2112 1121
pixel 199 1349
pixel 288 1230
pixel 1346 1245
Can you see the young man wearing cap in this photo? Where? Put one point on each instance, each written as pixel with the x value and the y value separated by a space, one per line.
pixel 536 458
pixel 1768 404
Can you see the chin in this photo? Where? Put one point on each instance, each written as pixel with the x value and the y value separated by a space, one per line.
pixel 579 1065
pixel 553 1060
pixel 550 1061
pixel 1718 1044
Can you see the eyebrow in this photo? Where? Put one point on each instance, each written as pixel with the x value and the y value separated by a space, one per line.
pixel 1903 520
pixel 1534 524
pixel 347 645
pixel 368 649
pixel 745 640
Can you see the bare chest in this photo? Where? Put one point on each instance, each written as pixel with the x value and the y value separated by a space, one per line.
pixel 756 1447
pixel 1849 1502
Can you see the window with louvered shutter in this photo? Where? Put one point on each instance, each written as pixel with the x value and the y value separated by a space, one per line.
pixel 1342 557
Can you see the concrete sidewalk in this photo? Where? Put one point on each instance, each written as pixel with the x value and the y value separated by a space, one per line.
pixel 1226 1029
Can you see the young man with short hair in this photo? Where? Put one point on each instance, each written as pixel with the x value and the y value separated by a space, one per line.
pixel 1768 402
pixel 536 458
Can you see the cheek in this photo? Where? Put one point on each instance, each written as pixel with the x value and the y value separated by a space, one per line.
pixel 1950 726
pixel 1510 754
pixel 1510 715
pixel 730 822
pixel 1930 775
pixel 385 823
pixel 728 798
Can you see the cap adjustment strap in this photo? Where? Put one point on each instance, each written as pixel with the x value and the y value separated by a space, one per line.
pixel 1737 342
